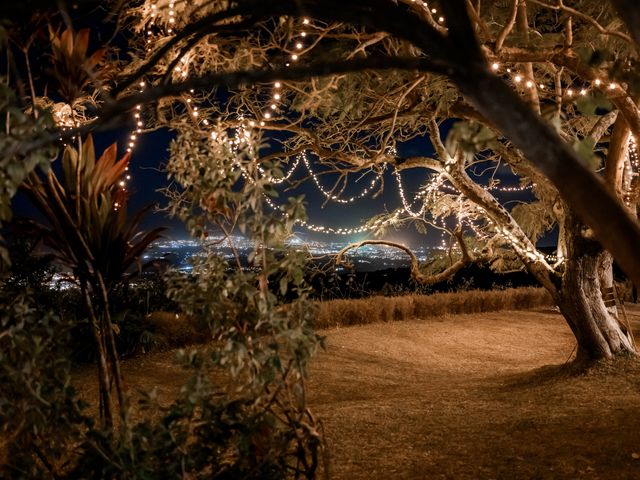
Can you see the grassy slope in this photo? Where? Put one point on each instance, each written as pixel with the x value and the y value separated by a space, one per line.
pixel 461 397
pixel 474 396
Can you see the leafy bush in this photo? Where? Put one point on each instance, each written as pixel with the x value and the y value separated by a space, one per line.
pixel 40 418
pixel 209 431
pixel 242 414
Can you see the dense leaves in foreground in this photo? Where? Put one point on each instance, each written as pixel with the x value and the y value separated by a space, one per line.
pixel 242 412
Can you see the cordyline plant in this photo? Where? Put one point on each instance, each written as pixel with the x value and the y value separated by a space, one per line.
pixel 72 68
pixel 88 232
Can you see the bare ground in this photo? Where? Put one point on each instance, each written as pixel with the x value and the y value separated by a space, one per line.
pixel 463 397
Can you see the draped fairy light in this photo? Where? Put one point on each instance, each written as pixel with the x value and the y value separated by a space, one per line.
pixel 335 198
pixel 287 176
pixel 132 141
pixel 631 182
pixel 633 155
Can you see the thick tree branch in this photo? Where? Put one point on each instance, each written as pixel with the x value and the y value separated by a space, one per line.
pixel 508 26
pixel 588 19
pixel 629 12
pixel 111 114
pixel 616 157
pixel 416 274
pixel 580 188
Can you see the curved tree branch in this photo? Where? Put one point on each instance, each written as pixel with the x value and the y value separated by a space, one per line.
pixel 416 274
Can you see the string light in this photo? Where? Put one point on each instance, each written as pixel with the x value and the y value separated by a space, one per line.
pixel 634 171
pixel 335 198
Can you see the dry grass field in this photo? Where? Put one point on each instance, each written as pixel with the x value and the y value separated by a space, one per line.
pixel 472 396
pixel 362 311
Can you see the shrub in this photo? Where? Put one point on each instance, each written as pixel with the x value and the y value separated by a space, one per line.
pixel 384 309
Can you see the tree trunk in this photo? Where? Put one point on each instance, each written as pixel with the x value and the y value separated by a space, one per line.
pixel 598 332
pixel 104 379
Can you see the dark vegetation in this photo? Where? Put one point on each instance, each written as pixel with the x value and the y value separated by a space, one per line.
pixel 146 318
pixel 397 281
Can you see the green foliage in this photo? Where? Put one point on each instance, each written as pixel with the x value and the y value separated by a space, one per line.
pixel 471 137
pixel 88 233
pixel 251 421
pixel 29 271
pixel 534 218
pixel 262 344
pixel 40 418
pixel 87 226
pixel 202 434
pixel 17 129
pixel 590 104
pixel 209 431
pixel 72 68
pixel 585 150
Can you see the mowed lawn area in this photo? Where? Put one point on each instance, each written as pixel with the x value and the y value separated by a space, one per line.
pixel 475 396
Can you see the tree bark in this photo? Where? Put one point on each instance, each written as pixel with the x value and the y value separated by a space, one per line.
pixel 598 332
pixel 104 379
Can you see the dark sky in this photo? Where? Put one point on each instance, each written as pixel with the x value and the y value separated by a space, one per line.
pixel 151 153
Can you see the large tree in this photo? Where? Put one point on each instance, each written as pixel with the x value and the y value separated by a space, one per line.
pixel 515 69
pixel 546 88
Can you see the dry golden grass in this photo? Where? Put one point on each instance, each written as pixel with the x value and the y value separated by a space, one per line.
pixel 174 330
pixel 472 396
pixel 385 309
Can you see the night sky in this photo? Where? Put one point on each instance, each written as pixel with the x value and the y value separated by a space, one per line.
pixel 151 153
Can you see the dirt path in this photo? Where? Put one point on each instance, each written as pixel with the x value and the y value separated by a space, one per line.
pixel 464 397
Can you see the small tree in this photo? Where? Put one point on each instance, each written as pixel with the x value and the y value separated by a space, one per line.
pixel 242 414
pixel 88 232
